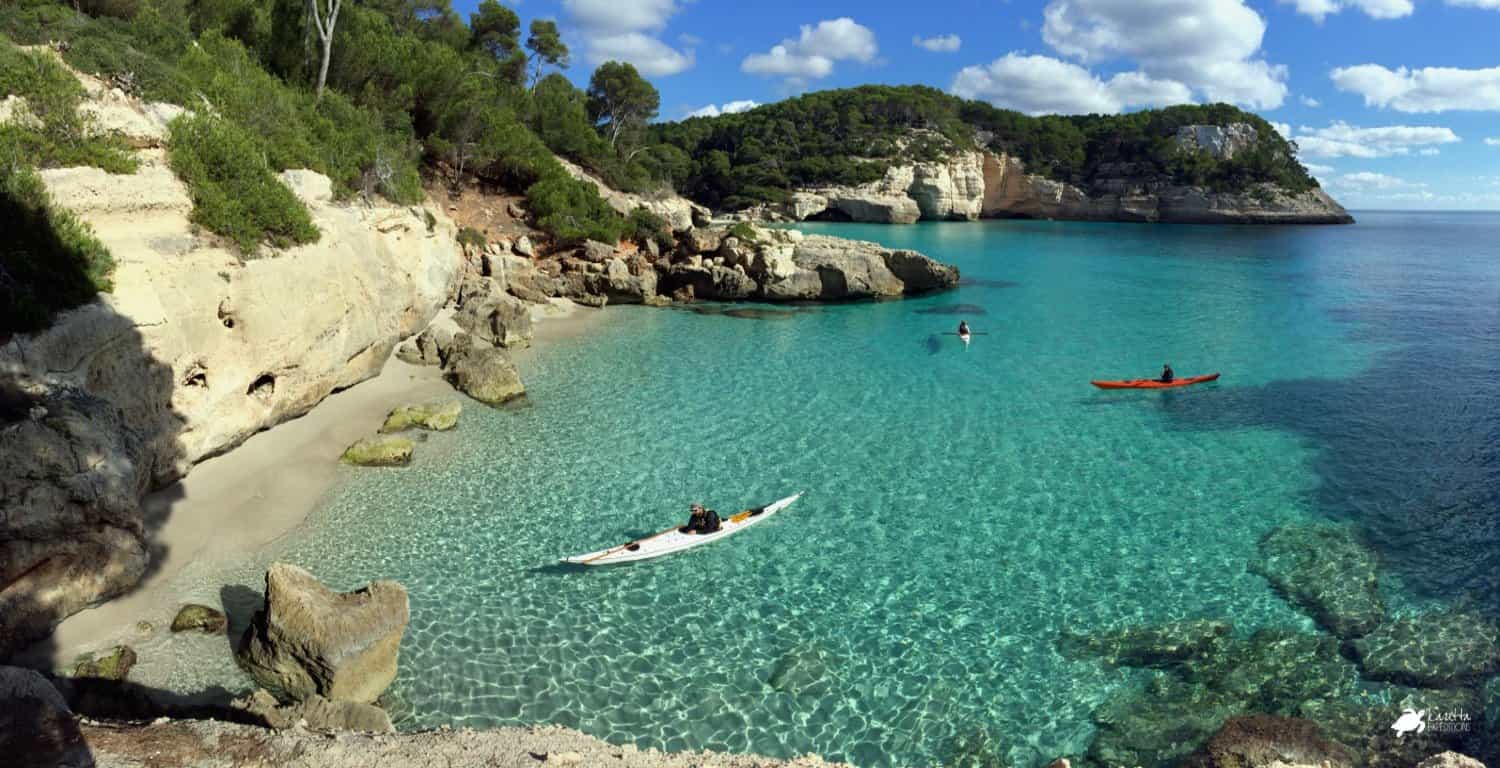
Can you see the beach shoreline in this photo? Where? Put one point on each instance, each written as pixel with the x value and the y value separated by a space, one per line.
pixel 237 503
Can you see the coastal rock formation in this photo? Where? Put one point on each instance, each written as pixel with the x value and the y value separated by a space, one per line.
pixel 1328 572
pixel 1158 724
pixel 1433 649
pixel 308 639
pixel 1221 142
pixel 1450 760
pixel 679 213
pixel 200 618
pixel 1263 741
pixel 1158 645
pixel 109 664
pixel 379 451
pixel 36 725
pixel 71 473
pixel 485 374
pixel 438 417
pixel 492 316
pixel 316 714
pixel 952 188
pixel 1362 721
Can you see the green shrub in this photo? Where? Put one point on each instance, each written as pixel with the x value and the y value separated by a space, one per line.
pixel 58 136
pixel 473 237
pixel 235 192
pixel 643 226
pixel 744 232
pixel 50 260
pixel 572 210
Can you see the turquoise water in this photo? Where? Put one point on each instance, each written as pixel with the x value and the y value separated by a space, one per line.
pixel 964 505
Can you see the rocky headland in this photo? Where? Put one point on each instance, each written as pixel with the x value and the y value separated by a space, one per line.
pixel 967 185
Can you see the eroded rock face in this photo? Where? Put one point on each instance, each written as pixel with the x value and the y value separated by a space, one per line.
pixel 678 212
pixel 485 374
pixel 309 640
pixel 1328 572
pixel 1222 142
pixel 318 713
pixel 492 316
pixel 71 535
pixel 1432 650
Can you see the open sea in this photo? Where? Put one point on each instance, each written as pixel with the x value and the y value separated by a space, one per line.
pixel 964 505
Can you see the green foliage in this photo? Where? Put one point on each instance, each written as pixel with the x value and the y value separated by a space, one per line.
pixel 546 47
pixel 621 100
pixel 744 232
pixel 572 210
pixel 472 237
pixel 643 226
pixel 234 191
pixel 54 134
pixel 50 261
pixel 849 136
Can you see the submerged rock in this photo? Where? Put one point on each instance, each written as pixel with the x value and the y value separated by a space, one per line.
pixel 1276 670
pixel 1450 760
pixel 485 374
pixel 201 618
pixel 1362 721
pixel 976 748
pixel 308 639
pixel 1432 650
pixel 802 671
pixel 1328 572
pixel 1262 741
pixel 1156 645
pixel 379 451
pixel 112 664
pixel 1159 723
pixel 438 417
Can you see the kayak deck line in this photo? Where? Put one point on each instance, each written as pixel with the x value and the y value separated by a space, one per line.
pixel 1185 381
pixel 675 539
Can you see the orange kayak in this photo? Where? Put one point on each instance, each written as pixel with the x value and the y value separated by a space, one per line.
pixel 1154 383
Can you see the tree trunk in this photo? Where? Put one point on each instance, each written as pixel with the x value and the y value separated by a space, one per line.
pixel 325 33
pixel 323 71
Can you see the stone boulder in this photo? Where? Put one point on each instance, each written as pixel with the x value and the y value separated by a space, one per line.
pixel 848 269
pixel 1270 741
pixel 523 247
pixel 316 714
pixel 1435 650
pixel 1160 723
pixel 920 274
pixel 435 343
pixel 1362 721
pixel 1328 572
pixel 200 618
pixel 1221 142
pixel 1450 760
pixel 437 417
pixel 701 240
pixel 310 640
pixel 1275 670
pixel 493 317
pixel 110 664
pixel 379 451
pixel 595 252
pixel 36 726
pixel 711 282
pixel 71 533
pixel 485 374
pixel 1154 645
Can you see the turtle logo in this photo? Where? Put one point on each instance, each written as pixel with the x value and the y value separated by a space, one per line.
pixel 1410 721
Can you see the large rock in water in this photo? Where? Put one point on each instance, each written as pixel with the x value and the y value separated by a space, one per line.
pixel 379 451
pixel 1264 741
pixel 1328 572
pixel 485 374
pixel 438 417
pixel 309 639
pixel 1435 650
pixel 493 317
pixel 1154 645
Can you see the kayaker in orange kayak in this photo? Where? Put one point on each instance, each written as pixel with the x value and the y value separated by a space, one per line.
pixel 1166 373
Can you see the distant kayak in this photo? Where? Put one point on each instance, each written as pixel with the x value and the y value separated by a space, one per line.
pixel 964 337
pixel 1155 383
pixel 674 540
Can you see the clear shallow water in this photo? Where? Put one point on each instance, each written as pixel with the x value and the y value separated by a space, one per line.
pixel 963 505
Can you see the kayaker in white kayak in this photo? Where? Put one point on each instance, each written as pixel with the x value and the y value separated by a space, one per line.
pixel 1166 373
pixel 701 520
pixel 963 327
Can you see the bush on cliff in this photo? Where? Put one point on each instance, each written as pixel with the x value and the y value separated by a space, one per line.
pixel 234 191
pixel 52 133
pixel 50 260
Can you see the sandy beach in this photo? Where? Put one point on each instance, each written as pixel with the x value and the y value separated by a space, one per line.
pixel 241 501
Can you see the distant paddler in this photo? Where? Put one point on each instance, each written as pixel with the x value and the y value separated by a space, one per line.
pixel 963 331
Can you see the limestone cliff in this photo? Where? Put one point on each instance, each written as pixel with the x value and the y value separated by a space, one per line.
pixel 196 349
pixel 983 184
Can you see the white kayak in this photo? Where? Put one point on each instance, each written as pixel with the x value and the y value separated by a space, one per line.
pixel 674 540
pixel 964 337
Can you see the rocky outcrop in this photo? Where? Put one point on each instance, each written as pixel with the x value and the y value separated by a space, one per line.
pixel 1327 571
pixel 1435 650
pixel 1221 142
pixel 485 374
pixel 379 451
pixel 109 664
pixel 36 725
pixel 308 639
pixel 678 212
pixel 1270 741
pixel 438 417
pixel 200 618
pixel 1450 760
pixel 316 714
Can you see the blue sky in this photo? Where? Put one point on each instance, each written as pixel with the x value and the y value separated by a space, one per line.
pixel 1395 103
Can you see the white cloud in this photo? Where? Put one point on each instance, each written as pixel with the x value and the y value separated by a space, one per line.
pixel 1429 152
pixel 1493 5
pixel 1369 180
pixel 1318 170
pixel 714 110
pixel 1430 89
pixel 1210 46
pixel 690 40
pixel 1492 141
pixel 1043 85
pixel 939 44
pixel 1308 101
pixel 1284 129
pixel 1375 9
pixel 626 30
pixel 1341 139
pixel 812 55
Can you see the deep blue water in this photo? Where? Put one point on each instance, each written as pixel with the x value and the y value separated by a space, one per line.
pixel 964 505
